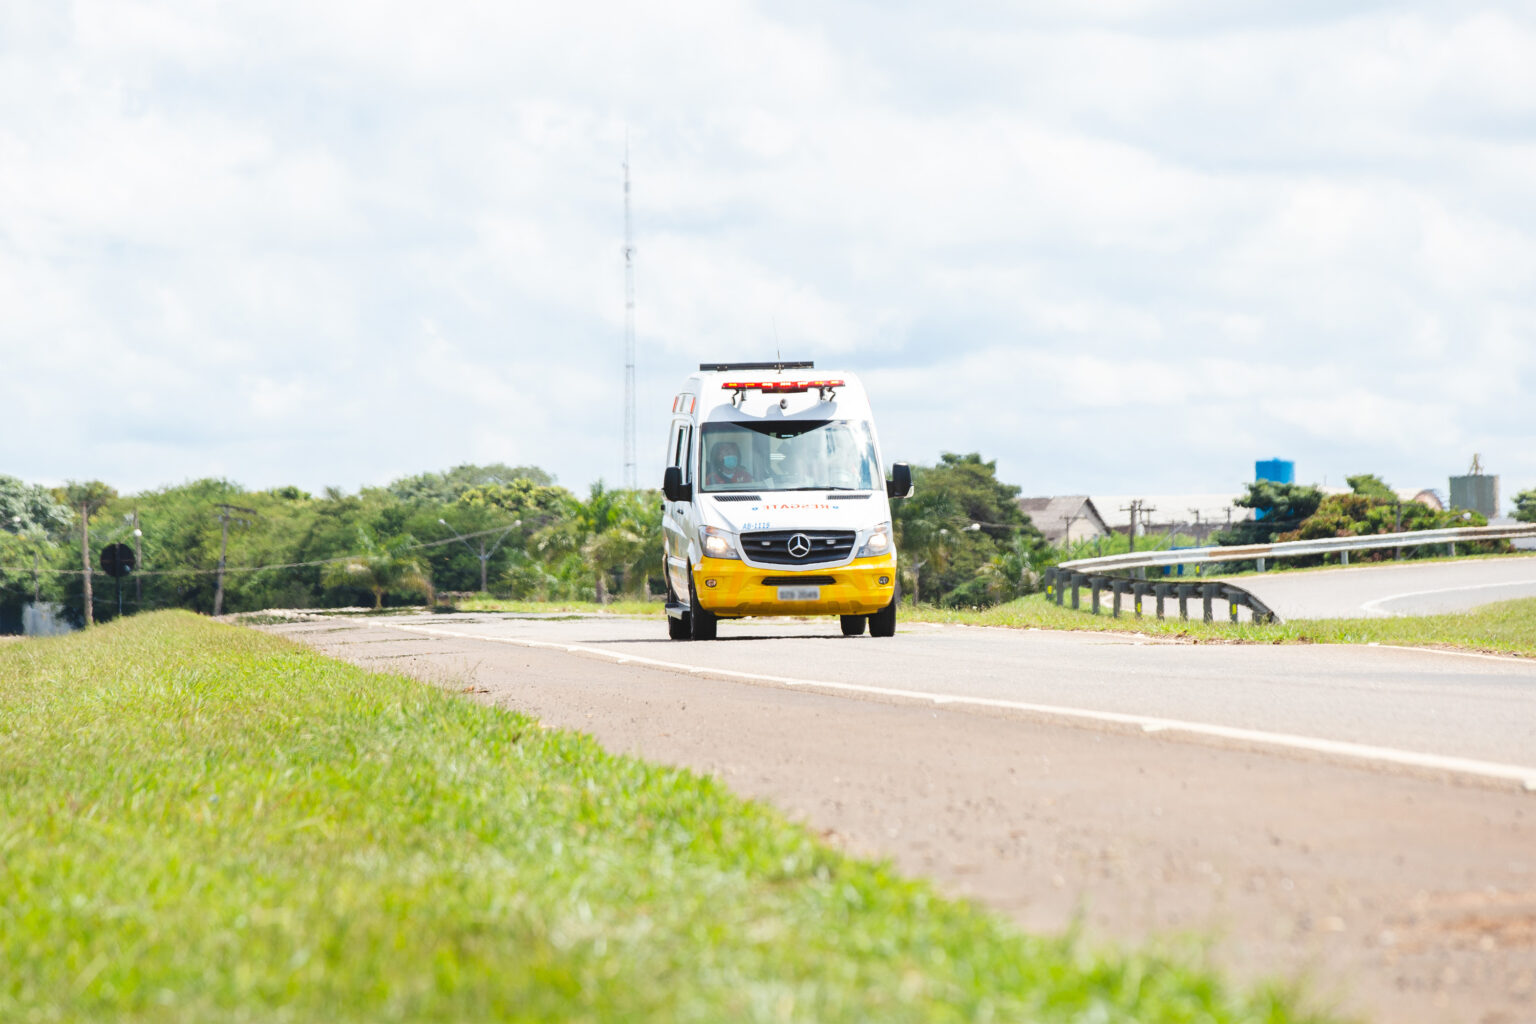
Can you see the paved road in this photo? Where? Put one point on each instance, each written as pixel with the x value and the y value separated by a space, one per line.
pixel 1411 588
pixel 1409 895
pixel 1425 703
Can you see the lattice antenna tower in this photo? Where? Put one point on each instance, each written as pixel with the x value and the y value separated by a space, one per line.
pixel 630 479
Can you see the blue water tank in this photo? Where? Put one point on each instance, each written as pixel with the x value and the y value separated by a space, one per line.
pixel 1280 471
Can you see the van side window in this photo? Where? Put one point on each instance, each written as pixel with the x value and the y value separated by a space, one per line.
pixel 678 447
pixel 688 454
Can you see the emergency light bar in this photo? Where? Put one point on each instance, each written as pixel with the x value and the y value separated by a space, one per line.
pixel 826 388
pixel 784 387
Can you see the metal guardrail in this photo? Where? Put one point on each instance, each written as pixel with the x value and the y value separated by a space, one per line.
pixel 1099 574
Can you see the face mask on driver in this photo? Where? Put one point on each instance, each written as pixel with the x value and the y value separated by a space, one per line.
pixel 729 461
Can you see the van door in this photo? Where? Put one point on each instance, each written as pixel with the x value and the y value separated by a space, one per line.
pixel 677 523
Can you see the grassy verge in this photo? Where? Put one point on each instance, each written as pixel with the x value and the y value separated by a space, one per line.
pixel 1508 627
pixel 203 823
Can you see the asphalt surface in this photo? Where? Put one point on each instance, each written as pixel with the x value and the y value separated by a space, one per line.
pixel 1397 588
pixel 1361 818
pixel 1398 699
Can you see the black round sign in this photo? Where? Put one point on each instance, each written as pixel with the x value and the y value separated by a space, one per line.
pixel 117 559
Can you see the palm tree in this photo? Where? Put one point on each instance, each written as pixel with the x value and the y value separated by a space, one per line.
pixel 381 567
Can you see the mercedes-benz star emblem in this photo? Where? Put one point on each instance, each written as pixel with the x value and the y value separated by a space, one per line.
pixel 799 545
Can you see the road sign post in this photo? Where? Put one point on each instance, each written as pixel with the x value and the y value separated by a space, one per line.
pixel 117 561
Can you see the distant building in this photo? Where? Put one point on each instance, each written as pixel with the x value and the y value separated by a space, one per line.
pixel 1196 515
pixel 1065 520
pixel 1424 496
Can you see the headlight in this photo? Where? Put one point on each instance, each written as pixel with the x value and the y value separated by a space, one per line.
pixel 719 543
pixel 878 543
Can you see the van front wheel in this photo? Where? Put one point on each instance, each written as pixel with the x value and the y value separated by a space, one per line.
pixel 883 622
pixel 853 625
pixel 701 621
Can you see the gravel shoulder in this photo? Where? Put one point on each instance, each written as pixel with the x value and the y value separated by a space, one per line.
pixel 1398 897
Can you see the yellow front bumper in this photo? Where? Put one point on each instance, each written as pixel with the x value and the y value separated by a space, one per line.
pixel 729 587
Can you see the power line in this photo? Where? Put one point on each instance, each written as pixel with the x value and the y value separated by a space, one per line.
pixel 267 568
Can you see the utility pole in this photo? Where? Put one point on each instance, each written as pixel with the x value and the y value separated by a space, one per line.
pixel 138 564
pixel 1066 537
pixel 630 479
pixel 85 559
pixel 484 555
pixel 1135 508
pixel 224 518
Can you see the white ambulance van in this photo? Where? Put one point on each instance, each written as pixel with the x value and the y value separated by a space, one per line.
pixel 777 501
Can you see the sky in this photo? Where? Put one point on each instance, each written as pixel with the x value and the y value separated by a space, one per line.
pixel 1117 247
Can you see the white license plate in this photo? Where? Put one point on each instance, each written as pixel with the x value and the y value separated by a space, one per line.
pixel 799 593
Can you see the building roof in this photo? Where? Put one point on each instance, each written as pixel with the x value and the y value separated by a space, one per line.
pixel 1053 516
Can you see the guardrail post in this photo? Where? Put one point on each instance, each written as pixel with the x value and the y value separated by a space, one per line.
pixel 1234 597
pixel 1138 591
pixel 1094 583
pixel 1209 592
pixel 1261 563
pixel 1077 581
pixel 1162 590
pixel 1344 557
pixel 1185 590
pixel 1119 587
pixel 1049 576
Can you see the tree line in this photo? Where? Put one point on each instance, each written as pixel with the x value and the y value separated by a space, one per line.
pixel 514 532
pixel 1300 512
pixel 511 531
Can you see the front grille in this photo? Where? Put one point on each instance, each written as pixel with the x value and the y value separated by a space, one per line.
pixel 737 497
pixel 799 581
pixel 772 546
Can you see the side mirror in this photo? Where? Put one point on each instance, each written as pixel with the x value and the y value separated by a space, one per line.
pixel 673 487
pixel 900 483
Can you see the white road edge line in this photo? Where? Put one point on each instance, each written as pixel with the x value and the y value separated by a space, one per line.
pixel 1510 658
pixel 1522 774
pixel 1374 607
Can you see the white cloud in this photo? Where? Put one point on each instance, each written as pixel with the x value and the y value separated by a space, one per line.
pixel 1140 246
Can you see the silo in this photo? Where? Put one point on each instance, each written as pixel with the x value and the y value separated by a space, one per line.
pixel 1476 491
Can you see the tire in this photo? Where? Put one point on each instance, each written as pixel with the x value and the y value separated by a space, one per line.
pixel 853 625
pixel 701 621
pixel 678 628
pixel 883 622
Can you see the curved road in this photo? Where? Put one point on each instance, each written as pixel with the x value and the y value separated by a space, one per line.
pixel 1394 588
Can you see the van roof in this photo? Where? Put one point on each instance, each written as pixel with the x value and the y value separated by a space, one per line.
pixel 828 395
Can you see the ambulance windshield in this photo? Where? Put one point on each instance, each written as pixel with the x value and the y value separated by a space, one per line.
pixel 789 455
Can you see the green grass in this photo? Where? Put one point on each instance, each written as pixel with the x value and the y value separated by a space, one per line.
pixel 199 823
pixel 1508 627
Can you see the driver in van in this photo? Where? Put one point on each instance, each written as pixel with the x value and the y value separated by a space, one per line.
pixel 725 465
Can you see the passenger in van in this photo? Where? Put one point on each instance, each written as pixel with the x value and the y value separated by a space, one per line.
pixel 725 465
